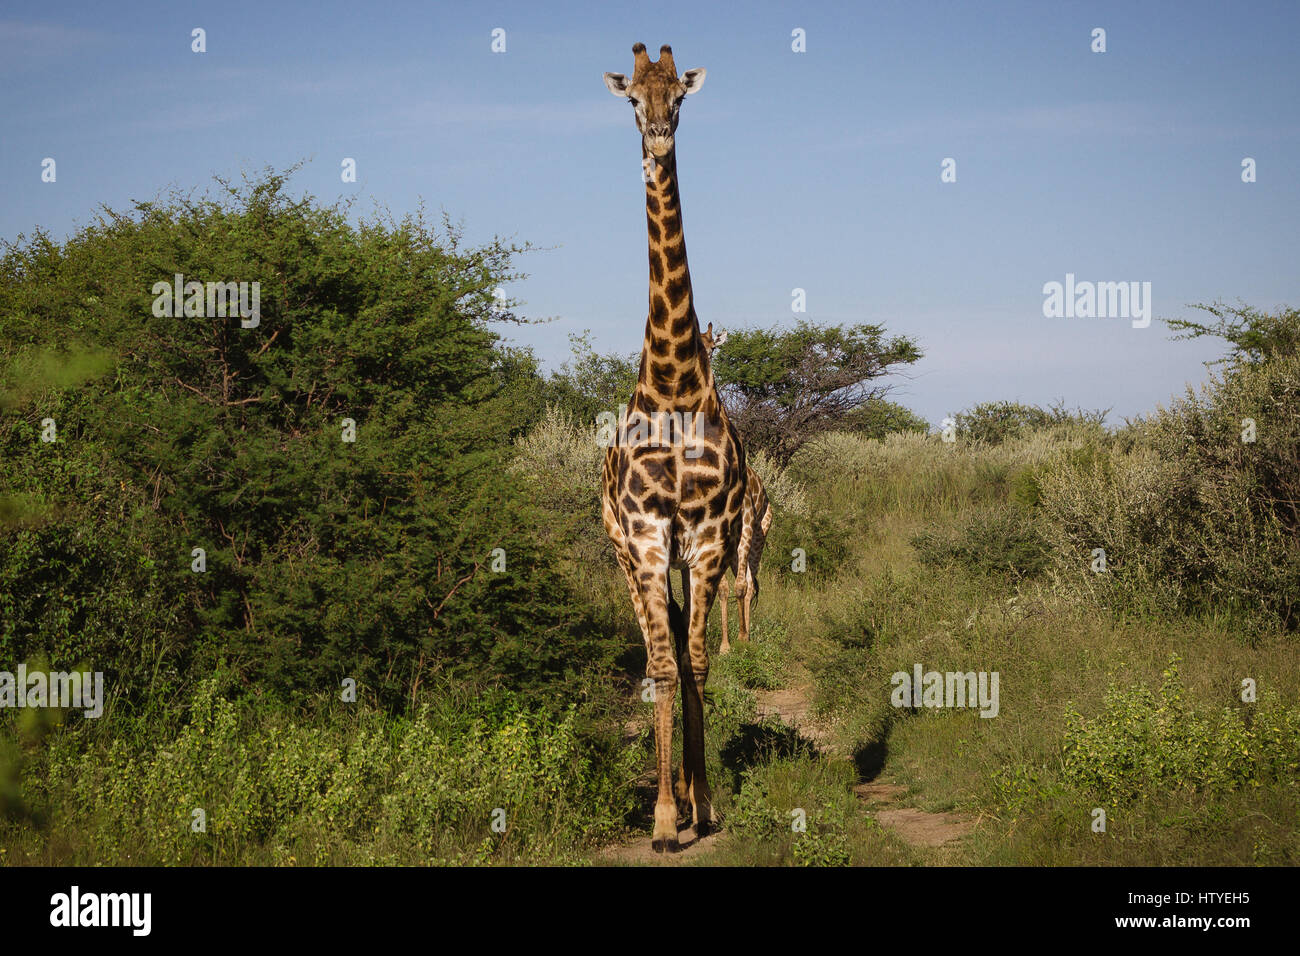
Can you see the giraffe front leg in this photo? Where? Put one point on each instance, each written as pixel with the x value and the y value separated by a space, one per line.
pixel 664 838
pixel 661 668
pixel 702 585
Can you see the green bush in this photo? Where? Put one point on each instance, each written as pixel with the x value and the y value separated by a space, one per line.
pixel 560 462
pixel 325 559
pixel 353 787
pixel 996 422
pixel 589 383
pixel 1191 516
pixel 1143 744
pixel 881 417
pixel 775 795
pixel 1001 539
pixel 753 664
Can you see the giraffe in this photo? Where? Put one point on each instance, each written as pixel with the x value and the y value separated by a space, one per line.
pixel 753 535
pixel 680 504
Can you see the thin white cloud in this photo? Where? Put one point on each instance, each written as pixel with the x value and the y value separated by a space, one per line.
pixel 552 117
pixel 1129 120
pixel 192 118
pixel 18 38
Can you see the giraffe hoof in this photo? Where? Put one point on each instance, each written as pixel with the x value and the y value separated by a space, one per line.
pixel 665 845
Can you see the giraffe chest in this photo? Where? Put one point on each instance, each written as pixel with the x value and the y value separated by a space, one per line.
pixel 688 506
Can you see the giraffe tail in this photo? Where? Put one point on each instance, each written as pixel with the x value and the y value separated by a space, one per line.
pixel 679 626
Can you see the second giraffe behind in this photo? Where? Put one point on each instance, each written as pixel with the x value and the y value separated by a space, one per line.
pixel 754 525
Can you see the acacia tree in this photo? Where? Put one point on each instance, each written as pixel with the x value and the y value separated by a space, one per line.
pixel 323 556
pixel 783 388
pixel 1255 335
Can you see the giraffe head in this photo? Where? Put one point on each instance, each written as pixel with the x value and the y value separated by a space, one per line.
pixel 656 92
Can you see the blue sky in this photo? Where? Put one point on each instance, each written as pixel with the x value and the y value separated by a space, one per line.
pixel 817 170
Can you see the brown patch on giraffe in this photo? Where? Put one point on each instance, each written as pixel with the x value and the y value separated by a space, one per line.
pixel 674 260
pixel 708 459
pixel 678 289
pixel 718 503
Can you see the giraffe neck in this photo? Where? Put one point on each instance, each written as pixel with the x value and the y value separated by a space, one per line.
pixel 674 360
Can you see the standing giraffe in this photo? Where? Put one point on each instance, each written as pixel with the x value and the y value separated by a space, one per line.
pixel 677 504
pixel 753 535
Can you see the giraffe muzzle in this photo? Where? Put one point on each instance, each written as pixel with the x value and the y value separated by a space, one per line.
pixel 659 139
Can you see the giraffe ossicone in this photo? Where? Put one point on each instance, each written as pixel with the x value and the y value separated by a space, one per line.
pixel 662 508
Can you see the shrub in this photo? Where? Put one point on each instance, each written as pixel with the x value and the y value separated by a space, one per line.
pixel 1143 744
pixel 753 664
pixel 344 788
pixel 1191 516
pixel 881 417
pixel 560 461
pixel 814 791
pixel 323 557
pixel 1001 539
pixel 589 383
pixel 787 495
pixel 996 422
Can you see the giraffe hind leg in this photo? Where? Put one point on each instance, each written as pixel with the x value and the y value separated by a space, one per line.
pixel 749 597
pixel 724 595
pixel 677 624
pixel 701 584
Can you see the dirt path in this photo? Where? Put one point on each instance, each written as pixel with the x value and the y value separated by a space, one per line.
pixel 793 706
pixel 912 825
pixel 638 852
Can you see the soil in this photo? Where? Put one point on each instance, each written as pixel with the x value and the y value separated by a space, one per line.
pixel 792 705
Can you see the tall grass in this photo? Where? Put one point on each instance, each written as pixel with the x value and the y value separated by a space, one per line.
pixel 461 780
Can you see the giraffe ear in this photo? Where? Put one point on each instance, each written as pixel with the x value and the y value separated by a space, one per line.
pixel 617 83
pixel 693 80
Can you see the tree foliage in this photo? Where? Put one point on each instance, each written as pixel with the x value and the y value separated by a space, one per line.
pixel 1255 335
pixel 325 559
pixel 782 388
